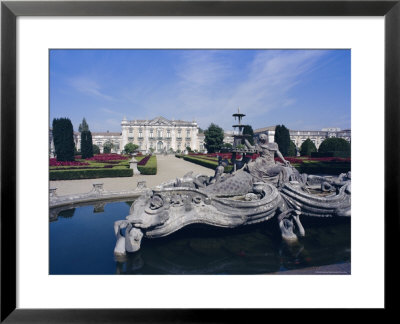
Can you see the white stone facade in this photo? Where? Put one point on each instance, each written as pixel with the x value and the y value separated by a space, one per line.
pixel 159 134
pixel 298 137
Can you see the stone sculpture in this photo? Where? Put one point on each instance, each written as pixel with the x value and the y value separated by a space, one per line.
pixel 260 190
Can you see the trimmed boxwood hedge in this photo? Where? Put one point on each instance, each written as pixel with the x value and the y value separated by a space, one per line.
pixel 150 168
pixel 316 167
pixel 90 173
pixel 98 170
pixel 206 163
pixel 342 154
pixel 309 167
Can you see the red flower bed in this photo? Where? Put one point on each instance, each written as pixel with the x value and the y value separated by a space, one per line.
pixel 54 162
pixel 144 160
pixel 107 157
pixel 84 167
pixel 331 159
pixel 294 160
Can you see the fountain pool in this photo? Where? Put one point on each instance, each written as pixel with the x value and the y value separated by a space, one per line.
pixel 82 241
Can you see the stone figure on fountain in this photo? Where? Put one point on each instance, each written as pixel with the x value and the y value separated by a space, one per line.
pixel 265 168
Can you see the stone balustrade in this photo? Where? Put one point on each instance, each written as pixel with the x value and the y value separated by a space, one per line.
pixel 96 194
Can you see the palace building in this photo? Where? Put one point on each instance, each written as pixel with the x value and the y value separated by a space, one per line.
pixel 158 135
pixel 298 137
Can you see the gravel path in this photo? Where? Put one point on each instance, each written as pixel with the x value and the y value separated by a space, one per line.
pixel 168 167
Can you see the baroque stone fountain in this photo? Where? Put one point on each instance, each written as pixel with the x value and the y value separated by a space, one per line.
pixel 256 192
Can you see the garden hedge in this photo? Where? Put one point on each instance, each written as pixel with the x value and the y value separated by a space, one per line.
pixel 150 168
pixel 331 168
pixel 309 167
pixel 90 173
pixel 342 154
pixel 206 163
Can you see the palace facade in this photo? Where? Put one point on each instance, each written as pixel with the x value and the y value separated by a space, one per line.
pixel 158 135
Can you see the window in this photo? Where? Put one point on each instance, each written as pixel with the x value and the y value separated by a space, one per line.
pixel 130 130
pixel 140 133
pixel 151 133
pixel 188 133
pixel 168 133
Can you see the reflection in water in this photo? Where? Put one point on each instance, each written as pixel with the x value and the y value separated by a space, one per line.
pixel 68 213
pixel 99 207
pixel 84 245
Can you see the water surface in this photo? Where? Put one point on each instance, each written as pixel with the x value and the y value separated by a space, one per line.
pixel 82 242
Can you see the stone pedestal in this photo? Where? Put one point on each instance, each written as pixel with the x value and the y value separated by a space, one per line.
pixel 97 187
pixel 52 193
pixel 141 185
pixel 133 165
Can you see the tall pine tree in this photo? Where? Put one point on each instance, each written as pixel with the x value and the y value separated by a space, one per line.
pixel 63 137
pixel 248 130
pixel 282 138
pixel 84 126
pixel 86 144
pixel 86 140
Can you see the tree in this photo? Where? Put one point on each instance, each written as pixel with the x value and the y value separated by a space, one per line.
pixel 226 147
pixel 214 137
pixel 107 147
pixel 63 137
pixel 86 144
pixel 84 126
pixel 334 144
pixel 307 147
pixel 282 138
pixel 96 149
pixel 292 149
pixel 248 130
pixel 130 148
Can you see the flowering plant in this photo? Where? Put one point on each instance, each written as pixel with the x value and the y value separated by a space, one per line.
pixel 54 162
pixel 144 160
pixel 108 157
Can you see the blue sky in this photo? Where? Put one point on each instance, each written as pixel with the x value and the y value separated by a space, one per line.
pixel 302 89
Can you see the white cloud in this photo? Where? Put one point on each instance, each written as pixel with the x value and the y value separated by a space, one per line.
pixel 89 87
pixel 209 90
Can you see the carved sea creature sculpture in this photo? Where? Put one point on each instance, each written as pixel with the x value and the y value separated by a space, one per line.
pixel 236 200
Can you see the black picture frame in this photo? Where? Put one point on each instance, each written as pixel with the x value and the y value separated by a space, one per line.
pixel 10 10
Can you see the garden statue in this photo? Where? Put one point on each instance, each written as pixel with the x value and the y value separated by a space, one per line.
pixel 258 191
